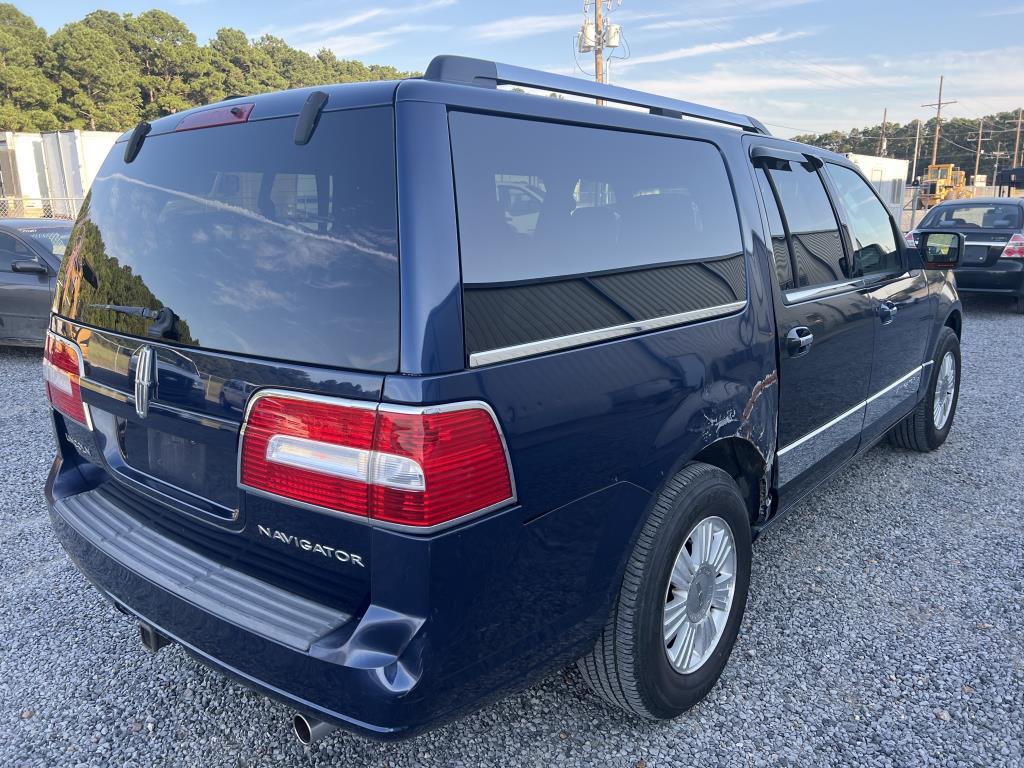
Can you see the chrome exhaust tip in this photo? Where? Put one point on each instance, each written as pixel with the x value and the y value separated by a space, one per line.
pixel 309 729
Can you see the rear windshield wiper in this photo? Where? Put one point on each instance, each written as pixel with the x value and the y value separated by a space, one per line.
pixel 164 323
pixel 146 312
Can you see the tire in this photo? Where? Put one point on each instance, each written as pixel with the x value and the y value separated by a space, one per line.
pixel 1020 305
pixel 919 431
pixel 629 667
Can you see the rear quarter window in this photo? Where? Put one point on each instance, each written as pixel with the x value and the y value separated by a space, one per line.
pixel 566 229
pixel 975 216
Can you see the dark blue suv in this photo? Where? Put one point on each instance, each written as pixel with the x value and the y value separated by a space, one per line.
pixel 386 399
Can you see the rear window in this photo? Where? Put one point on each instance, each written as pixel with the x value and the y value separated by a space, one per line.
pixel 565 230
pixel 258 246
pixel 53 239
pixel 974 216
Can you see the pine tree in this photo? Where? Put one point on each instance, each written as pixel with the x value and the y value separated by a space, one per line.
pixel 28 97
pixel 97 90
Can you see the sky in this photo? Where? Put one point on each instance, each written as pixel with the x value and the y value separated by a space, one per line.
pixel 798 65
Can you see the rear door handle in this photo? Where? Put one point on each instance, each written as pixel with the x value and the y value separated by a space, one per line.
pixel 887 311
pixel 799 340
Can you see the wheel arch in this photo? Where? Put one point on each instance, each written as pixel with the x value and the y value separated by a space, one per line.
pixel 742 461
pixel 955 320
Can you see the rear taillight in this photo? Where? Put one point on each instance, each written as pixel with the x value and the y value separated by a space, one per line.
pixel 62 369
pixel 1014 248
pixel 409 466
pixel 911 239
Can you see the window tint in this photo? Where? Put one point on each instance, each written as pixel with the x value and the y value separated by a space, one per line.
pixel 567 229
pixel 258 245
pixel 874 242
pixel 974 215
pixel 54 239
pixel 780 248
pixel 814 232
pixel 12 250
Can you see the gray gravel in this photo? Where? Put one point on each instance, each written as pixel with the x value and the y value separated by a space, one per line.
pixel 885 627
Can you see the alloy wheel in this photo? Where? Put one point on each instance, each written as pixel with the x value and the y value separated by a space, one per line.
pixel 699 595
pixel 945 388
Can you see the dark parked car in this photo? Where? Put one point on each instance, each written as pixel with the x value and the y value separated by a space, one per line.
pixel 476 445
pixel 30 254
pixel 993 262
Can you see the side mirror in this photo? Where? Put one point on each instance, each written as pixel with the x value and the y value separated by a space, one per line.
pixel 30 266
pixel 941 250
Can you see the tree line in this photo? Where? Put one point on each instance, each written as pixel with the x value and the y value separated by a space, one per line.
pixel 108 71
pixel 958 141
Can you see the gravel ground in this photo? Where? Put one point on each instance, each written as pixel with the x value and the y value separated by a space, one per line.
pixel 885 627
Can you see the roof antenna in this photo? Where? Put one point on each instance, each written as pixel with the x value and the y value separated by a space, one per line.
pixel 309 117
pixel 135 141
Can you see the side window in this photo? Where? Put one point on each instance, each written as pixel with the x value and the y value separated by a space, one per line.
pixel 565 229
pixel 813 230
pixel 780 248
pixel 12 250
pixel 874 242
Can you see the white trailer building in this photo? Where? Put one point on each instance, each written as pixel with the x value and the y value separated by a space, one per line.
pixel 887 175
pixel 48 174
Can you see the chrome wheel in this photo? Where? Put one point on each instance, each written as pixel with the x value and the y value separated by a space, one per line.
pixel 945 389
pixel 699 594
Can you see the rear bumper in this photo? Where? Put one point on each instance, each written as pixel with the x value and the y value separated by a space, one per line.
pixel 504 602
pixel 1006 276
pixel 234 647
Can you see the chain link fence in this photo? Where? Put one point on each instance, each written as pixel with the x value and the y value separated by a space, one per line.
pixel 39 207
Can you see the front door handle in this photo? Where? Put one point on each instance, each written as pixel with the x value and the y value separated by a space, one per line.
pixel 887 311
pixel 799 340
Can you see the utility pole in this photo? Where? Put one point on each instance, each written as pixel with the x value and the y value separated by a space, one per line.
pixel 881 139
pixel 938 119
pixel 977 151
pixel 917 150
pixel 598 35
pixel 1016 141
pixel 995 166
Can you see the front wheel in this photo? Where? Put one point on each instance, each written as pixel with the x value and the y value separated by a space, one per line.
pixel 928 425
pixel 682 598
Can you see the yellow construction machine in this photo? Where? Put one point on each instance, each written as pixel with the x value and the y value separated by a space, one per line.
pixel 943 182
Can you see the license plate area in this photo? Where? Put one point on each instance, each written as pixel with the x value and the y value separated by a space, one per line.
pixel 975 254
pixel 178 460
pixel 200 462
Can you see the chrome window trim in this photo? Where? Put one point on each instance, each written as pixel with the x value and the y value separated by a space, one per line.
pixel 851 411
pixel 103 389
pixel 205 419
pixel 800 295
pixel 462 405
pixel 531 348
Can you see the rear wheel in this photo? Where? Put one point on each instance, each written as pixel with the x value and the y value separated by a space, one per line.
pixel 682 598
pixel 1020 305
pixel 927 427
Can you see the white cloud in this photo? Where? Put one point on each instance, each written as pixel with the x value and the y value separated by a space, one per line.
pixel 326 26
pixel 351 45
pixel 312 35
pixel 847 93
pixel 1014 11
pixel 704 49
pixel 667 26
pixel 525 26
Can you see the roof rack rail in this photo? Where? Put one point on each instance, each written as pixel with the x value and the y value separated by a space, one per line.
pixel 491 74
